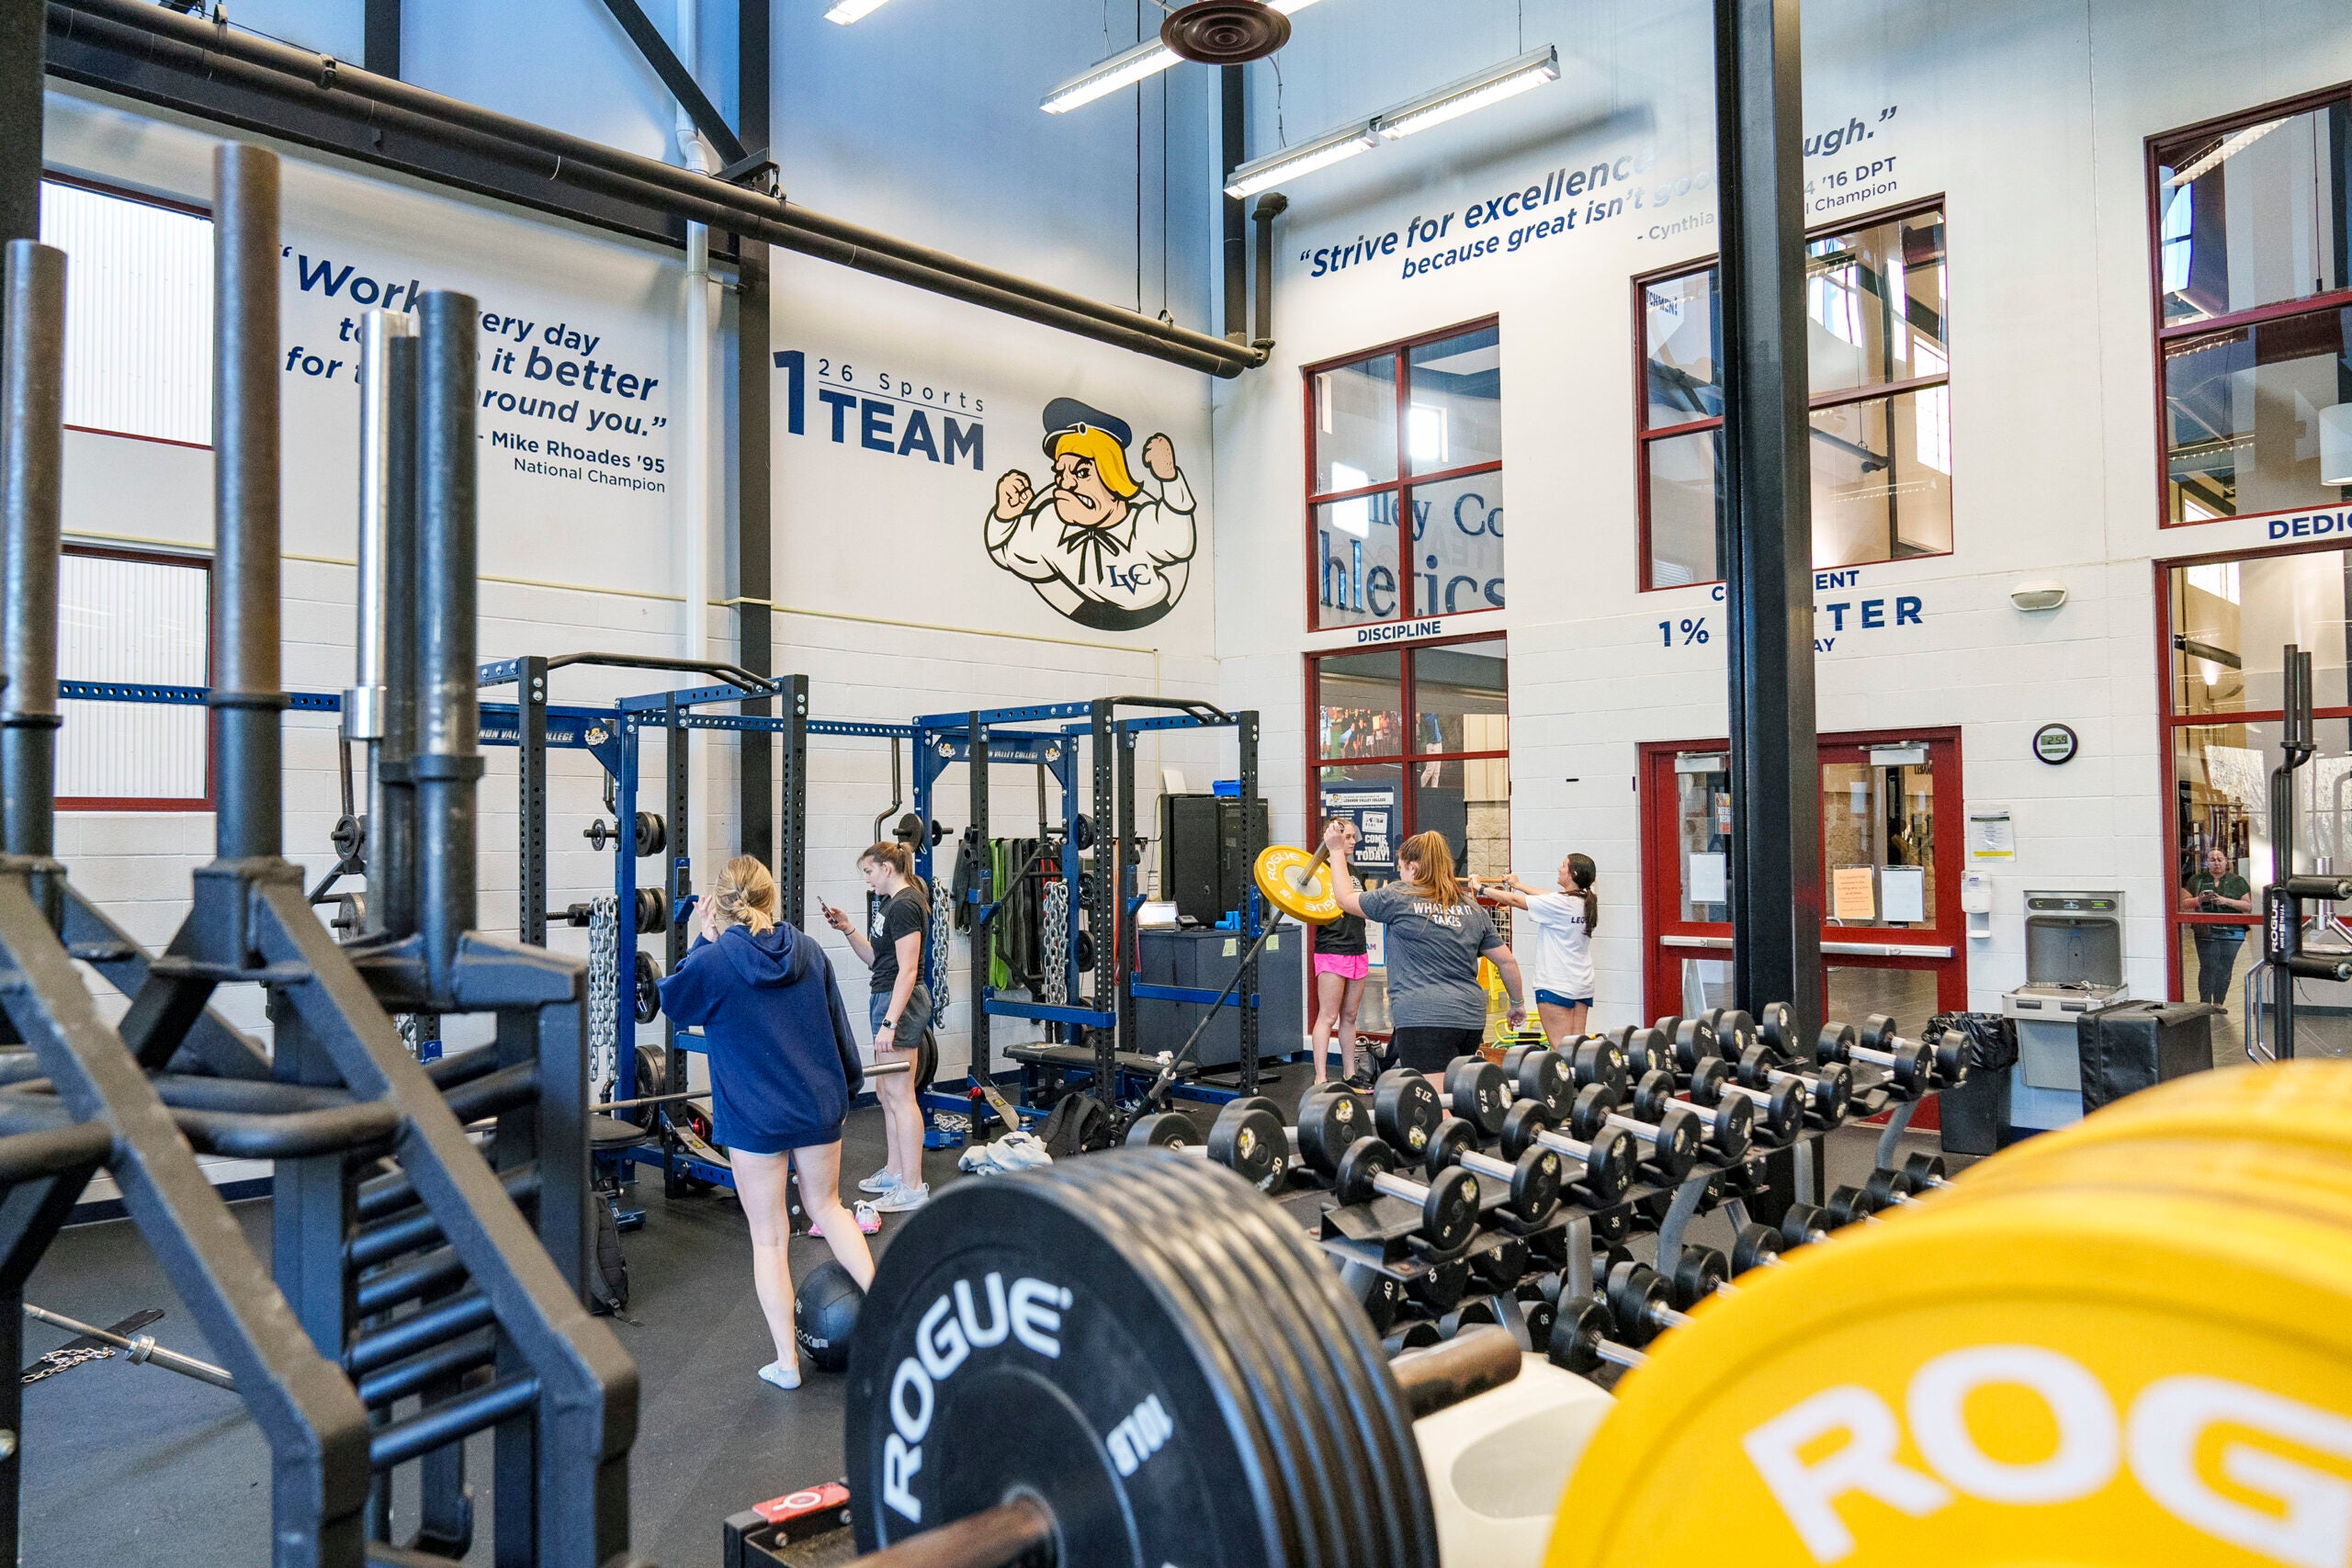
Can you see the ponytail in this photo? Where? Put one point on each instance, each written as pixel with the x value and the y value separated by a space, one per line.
pixel 1583 874
pixel 1433 858
pixel 901 859
pixel 746 895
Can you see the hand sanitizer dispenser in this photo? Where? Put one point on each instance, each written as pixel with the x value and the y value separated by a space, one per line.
pixel 1976 903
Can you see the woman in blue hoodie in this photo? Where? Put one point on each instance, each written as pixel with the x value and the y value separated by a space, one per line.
pixel 783 1062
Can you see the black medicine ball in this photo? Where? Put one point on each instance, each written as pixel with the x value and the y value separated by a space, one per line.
pixel 825 1316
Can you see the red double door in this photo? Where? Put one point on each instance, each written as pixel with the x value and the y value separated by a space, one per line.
pixel 1893 939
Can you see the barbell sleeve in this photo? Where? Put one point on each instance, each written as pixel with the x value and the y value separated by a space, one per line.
pixel 142 1350
pixel 1461 1367
pixel 1018 1530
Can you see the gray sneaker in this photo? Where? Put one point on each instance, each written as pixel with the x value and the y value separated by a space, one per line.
pixel 882 1181
pixel 903 1199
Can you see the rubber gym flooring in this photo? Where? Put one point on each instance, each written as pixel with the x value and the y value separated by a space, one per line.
pixel 125 1464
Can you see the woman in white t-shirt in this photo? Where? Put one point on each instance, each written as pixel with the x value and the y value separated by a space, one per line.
pixel 1563 923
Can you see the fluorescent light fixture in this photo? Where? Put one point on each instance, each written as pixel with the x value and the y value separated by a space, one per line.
pixel 1332 147
pixel 1104 76
pixel 2227 148
pixel 1476 91
pixel 848 11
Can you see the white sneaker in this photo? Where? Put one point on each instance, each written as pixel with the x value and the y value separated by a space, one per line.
pixel 775 1372
pixel 903 1199
pixel 882 1181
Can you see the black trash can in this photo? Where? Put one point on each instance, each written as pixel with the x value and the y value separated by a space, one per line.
pixel 1976 1114
pixel 2135 1045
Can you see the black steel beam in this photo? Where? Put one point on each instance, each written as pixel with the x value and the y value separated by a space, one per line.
pixel 190 49
pixel 381 47
pixel 1765 543
pixel 679 77
pixel 328 122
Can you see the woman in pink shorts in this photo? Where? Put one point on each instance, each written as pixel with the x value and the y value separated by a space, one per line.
pixel 1341 964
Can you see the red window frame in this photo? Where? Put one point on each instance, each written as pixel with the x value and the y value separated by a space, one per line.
pixel 141 803
pixel 1644 437
pixel 1409 823
pixel 1943 945
pixel 2317 304
pixel 168 204
pixel 2168 721
pixel 1405 479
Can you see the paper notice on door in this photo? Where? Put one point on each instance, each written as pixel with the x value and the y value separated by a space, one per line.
pixel 1904 891
pixel 1710 879
pixel 1853 895
pixel 1991 835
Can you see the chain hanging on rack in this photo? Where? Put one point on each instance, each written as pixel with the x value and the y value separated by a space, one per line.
pixel 937 978
pixel 604 1019
pixel 1053 936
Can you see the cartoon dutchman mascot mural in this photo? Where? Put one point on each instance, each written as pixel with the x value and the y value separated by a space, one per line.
pixel 1107 547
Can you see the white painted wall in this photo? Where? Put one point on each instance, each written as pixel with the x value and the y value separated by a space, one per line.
pixel 2031 121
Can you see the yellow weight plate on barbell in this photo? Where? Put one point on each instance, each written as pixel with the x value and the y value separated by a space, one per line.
pixel 2028 1377
pixel 1297 883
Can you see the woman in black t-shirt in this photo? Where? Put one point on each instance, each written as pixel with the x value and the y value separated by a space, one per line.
pixel 1341 964
pixel 898 1008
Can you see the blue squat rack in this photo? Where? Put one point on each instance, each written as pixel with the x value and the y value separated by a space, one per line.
pixel 1091 1038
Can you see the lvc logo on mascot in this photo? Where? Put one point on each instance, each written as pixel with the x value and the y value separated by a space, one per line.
pixel 1107 547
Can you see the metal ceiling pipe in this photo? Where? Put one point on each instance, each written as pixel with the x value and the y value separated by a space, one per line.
pixel 32 464
pixel 1271 206
pixel 198 46
pixel 246 701
pixel 448 722
pixel 1233 128
pixel 392 799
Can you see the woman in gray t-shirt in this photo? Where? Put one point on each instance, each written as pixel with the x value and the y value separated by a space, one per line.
pixel 1435 935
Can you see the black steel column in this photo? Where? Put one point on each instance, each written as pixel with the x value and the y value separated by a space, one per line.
pixel 679 853
pixel 792 853
pixel 1244 729
pixel 1232 106
pixel 1101 806
pixel 32 403
pixel 380 41
pixel 449 725
pixel 754 519
pixel 531 799
pixel 245 699
pixel 983 1065
pixel 1766 543
pixel 24 32
pixel 1123 961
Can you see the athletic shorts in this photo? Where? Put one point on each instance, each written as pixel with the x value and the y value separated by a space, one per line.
pixel 1554 998
pixel 1428 1049
pixel 1346 965
pixel 912 1023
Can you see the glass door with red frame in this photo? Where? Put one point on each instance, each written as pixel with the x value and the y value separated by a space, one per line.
pixel 1891 934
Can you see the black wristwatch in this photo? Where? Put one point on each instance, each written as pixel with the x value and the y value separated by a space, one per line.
pixel 891 1024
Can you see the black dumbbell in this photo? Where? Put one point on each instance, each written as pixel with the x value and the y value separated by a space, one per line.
pixel 1579 1341
pixel 1473 1313
pixel 1755 1246
pixel 1609 1156
pixel 1780 1110
pixel 1247 1138
pixel 1405 1112
pixel 1911 1067
pixel 1330 1117
pixel 1730 1118
pixel 1828 1094
pixel 1927 1172
pixel 1730 1125
pixel 1851 1206
pixel 1670 1144
pixel 1476 1091
pixel 1735 1031
pixel 1499 1261
pixel 1640 1301
pixel 1440 1286
pixel 1534 1179
pixel 1541 1074
pixel 1448 1202
pixel 1694 1042
pixel 1599 1059
pixel 1699 1272
pixel 1646 1051
pixel 1803 1224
